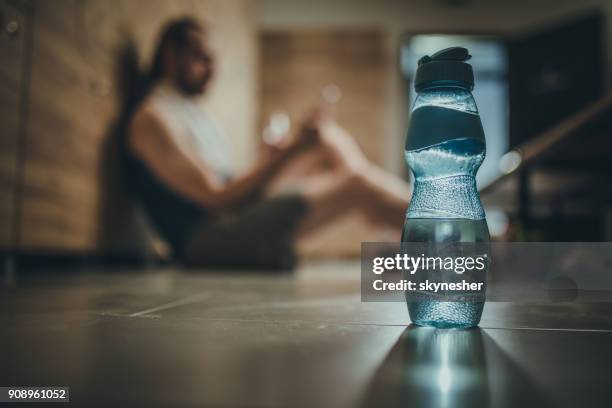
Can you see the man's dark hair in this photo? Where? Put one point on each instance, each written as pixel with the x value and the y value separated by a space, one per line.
pixel 134 84
pixel 175 36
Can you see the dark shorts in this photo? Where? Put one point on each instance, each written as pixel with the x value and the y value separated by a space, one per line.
pixel 258 236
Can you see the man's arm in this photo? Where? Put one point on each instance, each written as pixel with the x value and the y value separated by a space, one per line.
pixel 152 142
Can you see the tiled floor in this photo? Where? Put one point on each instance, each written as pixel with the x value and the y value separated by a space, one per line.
pixel 170 338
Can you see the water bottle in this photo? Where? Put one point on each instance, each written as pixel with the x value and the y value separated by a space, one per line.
pixel 445 146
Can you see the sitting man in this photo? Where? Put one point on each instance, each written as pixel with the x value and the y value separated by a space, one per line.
pixel 178 162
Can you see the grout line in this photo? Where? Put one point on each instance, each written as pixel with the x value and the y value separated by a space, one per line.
pixel 393 324
pixel 551 329
pixel 170 305
pixel 194 299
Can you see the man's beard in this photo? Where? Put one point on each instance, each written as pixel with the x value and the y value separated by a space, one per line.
pixel 191 89
pixel 194 89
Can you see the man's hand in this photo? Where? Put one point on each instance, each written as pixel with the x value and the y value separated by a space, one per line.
pixel 274 151
pixel 312 132
pixel 310 129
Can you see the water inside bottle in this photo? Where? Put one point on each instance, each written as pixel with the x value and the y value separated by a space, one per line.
pixel 443 309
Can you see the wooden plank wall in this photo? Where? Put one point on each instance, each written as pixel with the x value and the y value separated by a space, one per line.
pixel 72 193
pixel 298 65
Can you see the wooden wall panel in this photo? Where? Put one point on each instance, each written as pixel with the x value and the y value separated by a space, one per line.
pixel 13 51
pixel 73 199
pixel 297 66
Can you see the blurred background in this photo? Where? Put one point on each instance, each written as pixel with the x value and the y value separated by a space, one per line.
pixel 543 74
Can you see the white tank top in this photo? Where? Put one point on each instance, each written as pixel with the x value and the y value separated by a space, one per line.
pixel 193 129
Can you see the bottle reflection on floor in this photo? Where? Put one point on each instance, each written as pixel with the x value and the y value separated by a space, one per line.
pixel 430 367
pixel 447 368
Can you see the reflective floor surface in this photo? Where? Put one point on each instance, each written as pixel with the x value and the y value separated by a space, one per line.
pixel 189 339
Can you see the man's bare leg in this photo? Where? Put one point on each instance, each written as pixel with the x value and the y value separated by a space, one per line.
pixel 336 177
pixel 334 195
pixel 383 196
pixel 347 154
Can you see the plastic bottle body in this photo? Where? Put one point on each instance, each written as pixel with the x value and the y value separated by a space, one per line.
pixel 444 155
